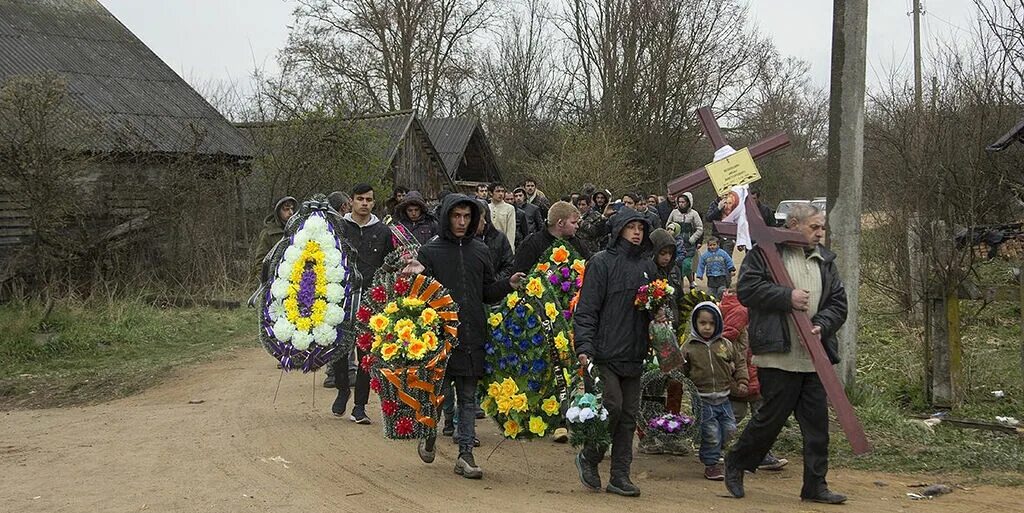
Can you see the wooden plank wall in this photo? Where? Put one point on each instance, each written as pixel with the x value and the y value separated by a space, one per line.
pixel 15 225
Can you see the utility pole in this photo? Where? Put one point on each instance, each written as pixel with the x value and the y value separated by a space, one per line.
pixel 918 102
pixel 846 161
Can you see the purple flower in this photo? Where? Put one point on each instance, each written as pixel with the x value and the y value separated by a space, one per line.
pixel 567 314
pixel 566 286
pixel 565 272
pixel 553 279
pixel 307 292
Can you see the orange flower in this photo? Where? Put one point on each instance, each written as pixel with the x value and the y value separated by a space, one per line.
pixel 417 349
pixel 428 316
pixel 560 255
pixel 379 323
pixel 430 339
pixel 543 267
pixel 389 351
pixel 579 266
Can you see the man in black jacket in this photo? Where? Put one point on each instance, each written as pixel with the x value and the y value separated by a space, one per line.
pixel 412 215
pixel 462 264
pixel 563 220
pixel 372 242
pixel 789 383
pixel 610 331
pixel 534 218
pixel 497 244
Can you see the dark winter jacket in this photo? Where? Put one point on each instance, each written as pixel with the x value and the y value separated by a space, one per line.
pixel 607 325
pixel 463 266
pixel 372 243
pixel 522 226
pixel 422 230
pixel 533 248
pixel 664 209
pixel 535 220
pixel 592 229
pixel 660 239
pixel 273 230
pixel 767 214
pixel 770 303
pixel 498 246
pixel 653 218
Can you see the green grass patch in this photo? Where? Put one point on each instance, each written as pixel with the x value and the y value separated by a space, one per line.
pixel 91 352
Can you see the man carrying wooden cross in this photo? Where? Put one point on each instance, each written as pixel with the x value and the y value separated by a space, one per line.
pixel 789 382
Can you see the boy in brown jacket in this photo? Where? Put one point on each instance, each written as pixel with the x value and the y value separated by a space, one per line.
pixel 717 369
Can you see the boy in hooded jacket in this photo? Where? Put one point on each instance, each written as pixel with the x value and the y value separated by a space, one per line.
pixel 717 369
pixel 614 334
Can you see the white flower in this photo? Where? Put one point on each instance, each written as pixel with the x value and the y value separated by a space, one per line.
pixel 332 257
pixel 335 274
pixel 604 415
pixel 335 293
pixel 334 315
pixel 292 254
pixel 586 414
pixel 301 239
pixel 284 269
pixel 276 310
pixel 279 289
pixel 326 240
pixel 301 340
pixel 283 330
pixel 325 334
pixel 314 223
pixel 573 414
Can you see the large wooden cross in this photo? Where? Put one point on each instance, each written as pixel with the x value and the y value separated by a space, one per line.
pixel 766 237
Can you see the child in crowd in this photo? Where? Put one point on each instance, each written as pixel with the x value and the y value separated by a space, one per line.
pixel 719 267
pixel 684 255
pixel 717 370
pixel 735 317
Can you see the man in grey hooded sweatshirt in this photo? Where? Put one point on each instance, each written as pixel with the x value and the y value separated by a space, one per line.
pixel 691 231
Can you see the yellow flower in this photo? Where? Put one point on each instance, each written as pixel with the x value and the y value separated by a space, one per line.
pixel 379 323
pixel 412 302
pixel 430 339
pixel 509 387
pixel 512 300
pixel 402 324
pixel 535 288
pixel 538 426
pixel 377 341
pixel 519 402
pixel 494 389
pixel 428 316
pixel 389 351
pixel 488 405
pixel 543 267
pixel 560 255
pixel 303 324
pixel 550 405
pixel 511 428
pixel 579 266
pixel 405 333
pixel 417 349
pixel 551 311
pixel 391 308
pixel 495 320
pixel 504 405
pixel 561 343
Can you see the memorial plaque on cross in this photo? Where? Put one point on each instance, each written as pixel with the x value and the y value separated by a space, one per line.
pixel 766 237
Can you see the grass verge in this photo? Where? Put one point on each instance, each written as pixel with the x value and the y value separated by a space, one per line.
pixel 85 353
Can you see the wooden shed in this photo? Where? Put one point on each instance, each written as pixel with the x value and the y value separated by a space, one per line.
pixel 466 152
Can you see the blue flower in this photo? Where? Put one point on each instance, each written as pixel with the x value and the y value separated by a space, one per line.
pixel 524 344
pixel 496 334
pixel 501 363
pixel 531 322
pixel 524 369
pixel 517 330
pixel 533 385
pixel 507 342
pixel 521 311
pixel 489 348
pixel 539 365
pixel 488 368
pixel 538 339
pixel 512 359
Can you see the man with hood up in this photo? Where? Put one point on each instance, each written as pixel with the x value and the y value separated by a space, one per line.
pixel 614 334
pixel 462 264
pixel 716 369
pixel 691 231
pixel 273 230
pixel 372 242
pixel 412 215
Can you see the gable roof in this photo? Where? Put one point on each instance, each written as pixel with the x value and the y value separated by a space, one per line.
pixel 452 137
pixel 141 104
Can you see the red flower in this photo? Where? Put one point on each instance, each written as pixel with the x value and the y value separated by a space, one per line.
pixel 659 293
pixel 402 286
pixel 378 294
pixel 389 407
pixel 363 315
pixel 375 384
pixel 404 426
pixel 364 342
pixel 368 362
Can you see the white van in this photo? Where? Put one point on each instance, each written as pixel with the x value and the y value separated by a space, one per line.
pixel 782 212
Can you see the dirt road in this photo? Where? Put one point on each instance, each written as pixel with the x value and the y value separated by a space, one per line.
pixel 239 451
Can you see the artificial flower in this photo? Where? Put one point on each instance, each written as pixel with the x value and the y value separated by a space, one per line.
pixel 375 384
pixel 377 341
pixel 512 300
pixel 325 334
pixel 488 405
pixel 538 426
pixel 535 288
pixel 391 308
pixel 378 294
pixel 379 323
pixel 303 324
pixel 402 286
pixel 550 405
pixel 364 342
pixel 404 426
pixel 560 255
pixel 301 340
pixel 511 428
pixel 430 339
pixel 389 351
pixel 551 310
pixel 363 315
pixel 334 315
pixel 388 407
pixel 428 316
pixel 543 267
pixel 417 349
pixel 504 404
pixel 404 324
pixel 519 402
pixel 412 302
pixel 494 390
pixel 495 319
pixel 561 343
pixel 367 362
pixel 283 330
pixel 509 387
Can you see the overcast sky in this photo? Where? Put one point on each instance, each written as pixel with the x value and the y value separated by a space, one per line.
pixel 211 41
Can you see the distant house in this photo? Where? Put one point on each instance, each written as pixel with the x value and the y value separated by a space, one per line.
pixel 148 118
pixel 463 146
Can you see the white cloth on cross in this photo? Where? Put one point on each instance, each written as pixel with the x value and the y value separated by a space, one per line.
pixel 739 211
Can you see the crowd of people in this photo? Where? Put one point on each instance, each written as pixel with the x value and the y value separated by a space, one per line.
pixel 742 353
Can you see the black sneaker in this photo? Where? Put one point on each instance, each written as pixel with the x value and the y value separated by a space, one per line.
pixel 449 426
pixel 623 486
pixel 826 496
pixel 589 474
pixel 733 480
pixel 340 403
pixel 359 415
pixel 770 462
pixel 466 467
pixel 426 449
pixel 329 381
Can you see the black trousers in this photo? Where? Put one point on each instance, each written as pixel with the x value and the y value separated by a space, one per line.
pixel 362 379
pixel 785 393
pixel 621 398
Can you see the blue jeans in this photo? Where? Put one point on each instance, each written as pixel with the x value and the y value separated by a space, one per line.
pixel 465 428
pixel 717 425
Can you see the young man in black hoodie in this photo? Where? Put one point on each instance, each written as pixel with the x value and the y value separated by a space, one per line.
pixel 412 215
pixel 563 221
pixel 462 264
pixel 610 331
pixel 372 241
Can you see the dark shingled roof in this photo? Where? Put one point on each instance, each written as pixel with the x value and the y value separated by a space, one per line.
pixel 452 137
pixel 141 104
